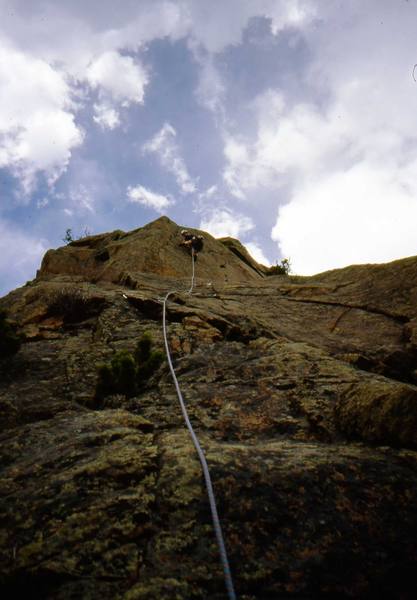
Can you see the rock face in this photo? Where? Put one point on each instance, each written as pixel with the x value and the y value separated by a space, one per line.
pixel 120 257
pixel 302 391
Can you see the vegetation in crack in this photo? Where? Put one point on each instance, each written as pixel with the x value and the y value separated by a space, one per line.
pixel 128 373
pixel 284 268
pixel 73 305
pixel 69 237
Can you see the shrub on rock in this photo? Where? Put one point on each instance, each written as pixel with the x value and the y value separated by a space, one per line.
pixel 73 304
pixel 280 269
pixel 127 374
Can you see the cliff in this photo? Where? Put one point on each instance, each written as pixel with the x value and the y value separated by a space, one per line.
pixel 303 391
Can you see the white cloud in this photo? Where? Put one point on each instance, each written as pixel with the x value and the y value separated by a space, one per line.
pixel 165 147
pixel 213 30
pixel 141 195
pixel 99 26
pixel 118 77
pixel 239 167
pixel 20 256
pixel 42 203
pixel 37 128
pixel 211 88
pixel 82 198
pixel 356 196
pixel 296 13
pixel 209 193
pixel 120 81
pixel 257 253
pixel 353 120
pixel 106 116
pixel 218 24
pixel 42 65
pixel 346 159
pixel 293 141
pixel 221 222
pixel 357 216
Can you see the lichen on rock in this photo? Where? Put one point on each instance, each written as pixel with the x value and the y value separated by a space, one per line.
pixel 302 392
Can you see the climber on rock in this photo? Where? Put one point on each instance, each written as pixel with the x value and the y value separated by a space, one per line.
pixel 193 242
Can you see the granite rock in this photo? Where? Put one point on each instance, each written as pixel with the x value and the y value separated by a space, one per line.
pixel 303 394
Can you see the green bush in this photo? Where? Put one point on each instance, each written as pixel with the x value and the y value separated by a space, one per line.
pixel 127 374
pixel 280 269
pixel 10 340
pixel 69 237
pixel 143 348
pixel 147 368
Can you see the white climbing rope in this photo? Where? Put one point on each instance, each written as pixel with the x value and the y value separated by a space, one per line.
pixel 201 456
pixel 190 291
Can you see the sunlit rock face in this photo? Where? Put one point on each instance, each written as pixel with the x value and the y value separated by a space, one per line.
pixel 153 249
pixel 302 391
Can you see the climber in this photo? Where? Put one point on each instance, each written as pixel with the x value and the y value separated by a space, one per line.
pixel 193 242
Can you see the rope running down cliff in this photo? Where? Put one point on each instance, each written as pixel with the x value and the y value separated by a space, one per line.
pixel 201 456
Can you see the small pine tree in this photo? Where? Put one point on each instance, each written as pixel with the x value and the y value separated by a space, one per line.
pixel 105 383
pixel 148 367
pixel 124 373
pixel 143 348
pixel 286 266
pixel 127 374
pixel 68 238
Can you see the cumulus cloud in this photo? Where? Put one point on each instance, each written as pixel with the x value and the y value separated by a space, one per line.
pixel 106 116
pixel 211 31
pixel 142 195
pixel 45 65
pixel 165 147
pixel 350 123
pixel 37 125
pixel 120 77
pixel 239 169
pixel 20 255
pixel 291 141
pixel 221 222
pixel 39 74
pixel 209 193
pixel 218 24
pixel 211 88
pixel 213 25
pixel 357 216
pixel 120 81
pixel 82 198
pixel 344 158
pixel 297 13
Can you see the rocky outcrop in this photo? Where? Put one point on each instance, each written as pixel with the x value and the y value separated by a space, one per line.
pixel 303 393
pixel 120 257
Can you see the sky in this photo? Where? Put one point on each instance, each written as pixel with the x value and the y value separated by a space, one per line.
pixel 289 124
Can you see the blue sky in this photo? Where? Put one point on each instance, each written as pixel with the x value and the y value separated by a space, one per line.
pixel 291 125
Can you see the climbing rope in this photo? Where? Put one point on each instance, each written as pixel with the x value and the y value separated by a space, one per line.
pixel 190 291
pixel 201 456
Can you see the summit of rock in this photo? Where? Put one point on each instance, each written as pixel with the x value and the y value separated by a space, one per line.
pixel 152 249
pixel 302 390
